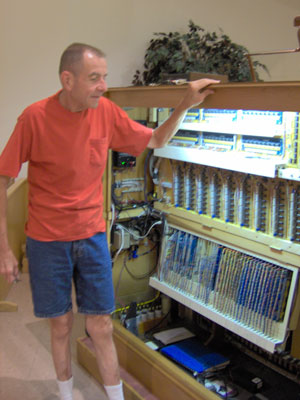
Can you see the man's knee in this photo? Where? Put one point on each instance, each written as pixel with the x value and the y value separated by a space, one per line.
pixel 99 326
pixel 61 326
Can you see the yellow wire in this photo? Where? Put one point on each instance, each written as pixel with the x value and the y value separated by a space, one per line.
pixel 139 304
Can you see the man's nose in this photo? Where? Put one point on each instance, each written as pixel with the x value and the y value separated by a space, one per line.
pixel 102 86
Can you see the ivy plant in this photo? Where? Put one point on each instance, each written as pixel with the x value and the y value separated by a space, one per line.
pixel 195 51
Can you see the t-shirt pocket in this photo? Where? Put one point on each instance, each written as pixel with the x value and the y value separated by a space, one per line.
pixel 98 152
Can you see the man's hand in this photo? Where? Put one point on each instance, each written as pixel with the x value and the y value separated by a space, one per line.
pixel 9 265
pixel 196 93
pixel 8 262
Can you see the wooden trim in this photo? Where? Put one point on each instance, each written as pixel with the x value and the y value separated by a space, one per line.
pixel 274 96
pixel 8 306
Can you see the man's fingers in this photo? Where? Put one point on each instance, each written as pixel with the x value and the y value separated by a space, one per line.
pixel 10 278
pixel 202 83
pixel 197 92
pixel 9 269
pixel 207 92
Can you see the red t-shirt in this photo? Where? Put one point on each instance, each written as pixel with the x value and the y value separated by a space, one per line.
pixel 67 155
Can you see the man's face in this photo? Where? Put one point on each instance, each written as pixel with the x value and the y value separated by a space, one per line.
pixel 88 83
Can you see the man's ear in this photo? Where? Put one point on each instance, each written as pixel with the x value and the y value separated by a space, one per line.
pixel 67 80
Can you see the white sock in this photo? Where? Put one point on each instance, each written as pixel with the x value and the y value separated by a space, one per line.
pixel 66 389
pixel 115 392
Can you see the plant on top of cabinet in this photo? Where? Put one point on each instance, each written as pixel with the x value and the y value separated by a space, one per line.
pixel 194 51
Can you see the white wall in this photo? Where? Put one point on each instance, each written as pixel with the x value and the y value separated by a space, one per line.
pixel 33 33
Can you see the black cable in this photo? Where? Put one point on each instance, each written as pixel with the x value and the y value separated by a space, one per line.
pixel 149 154
pixel 158 324
pixel 148 274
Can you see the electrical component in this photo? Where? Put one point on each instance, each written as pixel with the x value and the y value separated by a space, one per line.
pixel 133 185
pixel 256 142
pixel 123 160
pixel 124 238
pixel 121 239
pixel 220 387
pixel 251 295
pixel 246 379
pixel 129 234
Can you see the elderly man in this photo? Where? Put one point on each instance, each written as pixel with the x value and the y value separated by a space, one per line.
pixel 65 139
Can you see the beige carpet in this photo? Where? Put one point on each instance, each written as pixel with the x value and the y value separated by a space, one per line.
pixel 26 369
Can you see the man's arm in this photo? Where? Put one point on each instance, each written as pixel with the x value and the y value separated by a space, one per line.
pixel 8 262
pixel 194 95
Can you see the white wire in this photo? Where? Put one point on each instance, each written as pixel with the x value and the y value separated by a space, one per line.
pixel 122 229
pixel 113 209
pixel 122 242
pixel 132 233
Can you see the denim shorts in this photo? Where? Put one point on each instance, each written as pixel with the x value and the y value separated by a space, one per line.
pixel 54 265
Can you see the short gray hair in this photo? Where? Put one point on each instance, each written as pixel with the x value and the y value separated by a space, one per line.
pixel 73 54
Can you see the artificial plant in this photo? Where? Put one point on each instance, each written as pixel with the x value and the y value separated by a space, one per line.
pixel 196 50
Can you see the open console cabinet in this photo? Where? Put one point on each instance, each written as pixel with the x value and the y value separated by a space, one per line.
pixel 229 187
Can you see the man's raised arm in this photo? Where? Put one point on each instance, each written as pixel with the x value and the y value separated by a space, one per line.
pixel 195 94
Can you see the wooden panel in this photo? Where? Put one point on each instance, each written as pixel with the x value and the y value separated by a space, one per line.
pixel 16 215
pixel 8 306
pixel 295 351
pixel 276 96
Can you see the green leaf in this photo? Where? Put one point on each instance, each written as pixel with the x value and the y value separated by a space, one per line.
pixel 195 50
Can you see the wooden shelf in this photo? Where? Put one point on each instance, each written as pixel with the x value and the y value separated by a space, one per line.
pixel 273 96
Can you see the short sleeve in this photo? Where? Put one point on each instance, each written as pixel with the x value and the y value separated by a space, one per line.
pixel 16 151
pixel 128 136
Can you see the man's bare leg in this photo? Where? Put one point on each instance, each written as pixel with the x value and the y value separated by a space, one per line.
pixel 100 329
pixel 61 328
